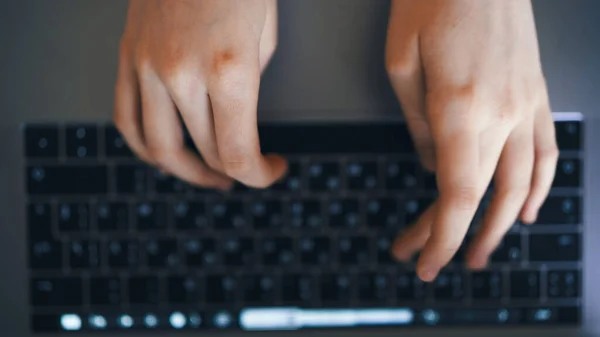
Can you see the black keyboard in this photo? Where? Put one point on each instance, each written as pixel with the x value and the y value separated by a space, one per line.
pixel 116 246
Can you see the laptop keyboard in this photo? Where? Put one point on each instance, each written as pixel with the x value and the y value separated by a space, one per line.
pixel 115 245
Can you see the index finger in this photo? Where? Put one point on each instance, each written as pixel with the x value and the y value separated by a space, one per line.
pixel 233 90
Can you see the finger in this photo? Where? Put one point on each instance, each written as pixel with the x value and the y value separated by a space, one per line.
pixel 413 239
pixel 233 90
pixel 165 138
pixel 546 157
pixel 512 183
pixel 127 112
pixel 268 39
pixel 405 71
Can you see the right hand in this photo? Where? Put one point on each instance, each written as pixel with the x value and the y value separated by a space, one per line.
pixel 203 59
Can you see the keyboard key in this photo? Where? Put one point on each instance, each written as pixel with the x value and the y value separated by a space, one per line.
pixel 429 181
pixel 105 291
pixel 563 283
pixel 383 213
pixel 45 254
pixel 344 213
pixel 66 291
pixel 259 289
pixel 336 288
pixel 278 251
pixel 39 219
pixel 324 176
pixel 84 254
pixel 401 175
pixel 509 250
pixel 266 214
pixel 569 135
pixel 221 289
pixel 298 288
pixel 122 253
pixel 292 182
pixel 184 289
pixel 353 250
pixel 554 247
pixel 67 180
pixel 114 144
pixel 414 208
pixel 82 141
pixel 525 284
pixel 73 217
pixel 383 245
pixel 486 285
pixel 190 215
pixel 166 184
pixel 229 215
pixel 315 251
pixel 410 287
pixel 560 211
pixel 144 290
pixel 112 216
pixel 449 285
pixel 162 253
pixel 568 173
pixel 41 142
pixel 306 213
pixel 362 175
pixel 200 252
pixel 151 216
pixel 131 179
pixel 374 287
pixel 238 251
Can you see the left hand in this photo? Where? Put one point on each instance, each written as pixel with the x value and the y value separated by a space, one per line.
pixel 469 78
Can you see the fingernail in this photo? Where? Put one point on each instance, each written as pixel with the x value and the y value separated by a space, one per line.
pixel 427 273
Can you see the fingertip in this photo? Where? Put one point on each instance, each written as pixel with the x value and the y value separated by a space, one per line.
pixel 278 165
pixel 426 272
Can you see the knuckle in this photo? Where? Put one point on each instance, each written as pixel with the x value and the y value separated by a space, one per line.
pixel 237 163
pixel 399 66
pixel 162 156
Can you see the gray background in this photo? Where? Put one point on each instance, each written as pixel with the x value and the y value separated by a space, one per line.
pixel 58 60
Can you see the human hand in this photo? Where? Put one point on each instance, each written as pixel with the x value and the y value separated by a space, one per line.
pixel 203 59
pixel 469 78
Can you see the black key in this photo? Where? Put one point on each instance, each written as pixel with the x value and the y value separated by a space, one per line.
pixel 560 211
pixel 190 215
pixel 131 179
pixel 410 287
pixel 229 215
pixel 315 251
pixel 73 217
pixel 353 250
pixel 200 252
pixel 306 214
pixel 324 176
pixel 184 289
pixel 509 250
pixel 554 247
pixel 221 289
pixel 429 181
pixel 144 290
pixel 114 144
pixel 278 251
pixel 362 175
pixel 382 213
pixel 563 283
pixel 414 208
pixel 122 253
pixel 162 253
pixel 105 291
pixel 238 251
pixel 167 184
pixel 112 216
pixel 568 173
pixel 82 141
pixel 343 213
pixel 259 289
pixel 45 254
pixel 67 179
pixel 298 288
pixel 45 323
pixel 449 285
pixel 39 219
pixel 151 216
pixel 487 285
pixel 401 175
pixel 374 287
pixel 383 245
pixel 569 135
pixel 66 291
pixel 336 288
pixel 41 142
pixel 525 284
pixel 292 182
pixel 266 214
pixel 84 254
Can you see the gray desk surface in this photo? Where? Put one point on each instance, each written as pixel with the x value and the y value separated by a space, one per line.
pixel 58 61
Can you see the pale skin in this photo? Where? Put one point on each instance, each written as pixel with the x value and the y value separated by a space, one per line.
pixel 467 74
